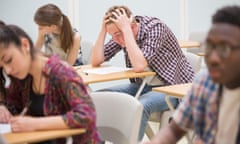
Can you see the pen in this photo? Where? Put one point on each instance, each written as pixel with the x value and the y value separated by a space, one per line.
pixel 77 68
pixel 25 109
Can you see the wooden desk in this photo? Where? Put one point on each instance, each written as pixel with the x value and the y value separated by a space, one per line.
pixel 188 44
pixel 178 91
pixel 38 136
pixel 201 54
pixel 95 78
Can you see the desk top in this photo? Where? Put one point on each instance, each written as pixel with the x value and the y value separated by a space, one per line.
pixel 178 91
pixel 37 136
pixel 95 78
pixel 188 44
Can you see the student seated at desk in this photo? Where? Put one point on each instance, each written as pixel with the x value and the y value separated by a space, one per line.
pixel 52 91
pixel 147 43
pixel 212 107
pixel 56 34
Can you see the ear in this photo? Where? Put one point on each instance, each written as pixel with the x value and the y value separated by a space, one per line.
pixel 25 45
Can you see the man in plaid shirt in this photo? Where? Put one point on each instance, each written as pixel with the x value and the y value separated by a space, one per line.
pixel 148 44
pixel 212 106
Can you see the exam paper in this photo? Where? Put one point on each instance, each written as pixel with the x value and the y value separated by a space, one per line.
pixel 106 70
pixel 5 128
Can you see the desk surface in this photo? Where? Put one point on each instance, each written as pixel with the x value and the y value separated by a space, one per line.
pixel 188 44
pixel 37 136
pixel 174 90
pixel 95 78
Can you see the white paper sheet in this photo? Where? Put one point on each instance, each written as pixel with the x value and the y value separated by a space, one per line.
pixel 106 70
pixel 5 128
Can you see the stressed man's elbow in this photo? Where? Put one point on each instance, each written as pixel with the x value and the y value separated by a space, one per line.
pixel 139 68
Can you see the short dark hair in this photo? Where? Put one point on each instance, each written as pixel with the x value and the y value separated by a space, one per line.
pixel 227 14
pixel 2 23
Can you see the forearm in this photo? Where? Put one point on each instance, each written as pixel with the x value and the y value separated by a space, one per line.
pixel 165 136
pixel 40 41
pixel 49 123
pixel 168 135
pixel 135 54
pixel 74 50
pixel 71 58
pixel 97 54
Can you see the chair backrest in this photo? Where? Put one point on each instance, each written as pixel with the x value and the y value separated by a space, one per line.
pixel 198 36
pixel 118 116
pixel 2 140
pixel 194 60
pixel 86 47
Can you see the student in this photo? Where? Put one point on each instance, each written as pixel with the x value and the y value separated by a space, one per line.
pixel 56 34
pixel 51 89
pixel 212 107
pixel 147 43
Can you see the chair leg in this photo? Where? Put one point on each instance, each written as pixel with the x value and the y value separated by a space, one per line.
pixel 149 132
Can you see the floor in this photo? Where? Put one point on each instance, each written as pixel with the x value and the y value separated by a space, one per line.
pixel 155 128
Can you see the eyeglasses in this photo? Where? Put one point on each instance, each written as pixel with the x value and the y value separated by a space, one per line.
pixel 223 50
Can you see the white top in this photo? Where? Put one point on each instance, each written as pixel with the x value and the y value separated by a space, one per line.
pixel 228 118
pixel 52 46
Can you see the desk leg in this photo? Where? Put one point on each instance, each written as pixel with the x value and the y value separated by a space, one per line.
pixel 169 103
pixel 141 88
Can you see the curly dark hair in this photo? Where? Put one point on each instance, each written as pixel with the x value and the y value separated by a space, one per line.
pixel 227 14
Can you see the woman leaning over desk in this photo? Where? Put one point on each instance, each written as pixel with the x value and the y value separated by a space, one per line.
pixel 57 96
pixel 56 34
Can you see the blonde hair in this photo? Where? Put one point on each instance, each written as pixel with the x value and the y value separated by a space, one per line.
pixel 109 14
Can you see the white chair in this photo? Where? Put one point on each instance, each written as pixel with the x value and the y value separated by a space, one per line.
pixel 118 117
pixel 86 47
pixel 2 140
pixel 163 117
pixel 194 60
pixel 198 36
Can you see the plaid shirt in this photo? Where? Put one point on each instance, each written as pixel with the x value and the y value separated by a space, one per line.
pixel 161 50
pixel 199 109
pixel 65 95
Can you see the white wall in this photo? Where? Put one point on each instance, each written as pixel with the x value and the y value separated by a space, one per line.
pixel 201 11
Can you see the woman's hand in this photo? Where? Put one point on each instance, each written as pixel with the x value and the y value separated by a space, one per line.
pixel 23 123
pixel 5 115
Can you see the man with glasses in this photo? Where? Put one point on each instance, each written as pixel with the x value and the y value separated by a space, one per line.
pixel 212 106
pixel 148 44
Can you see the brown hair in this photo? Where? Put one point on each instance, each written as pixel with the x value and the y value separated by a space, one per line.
pixel 112 9
pixel 50 14
pixel 12 34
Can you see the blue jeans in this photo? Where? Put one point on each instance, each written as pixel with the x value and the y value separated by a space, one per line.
pixel 151 101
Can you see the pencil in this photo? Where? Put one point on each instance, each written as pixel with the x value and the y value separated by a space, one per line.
pixel 25 109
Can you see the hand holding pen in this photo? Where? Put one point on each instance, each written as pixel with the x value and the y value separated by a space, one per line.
pixel 21 122
pixel 25 109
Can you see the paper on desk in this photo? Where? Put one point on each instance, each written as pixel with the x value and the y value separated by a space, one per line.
pixel 5 128
pixel 106 70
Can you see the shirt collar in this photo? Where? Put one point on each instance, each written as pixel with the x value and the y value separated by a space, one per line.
pixel 141 31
